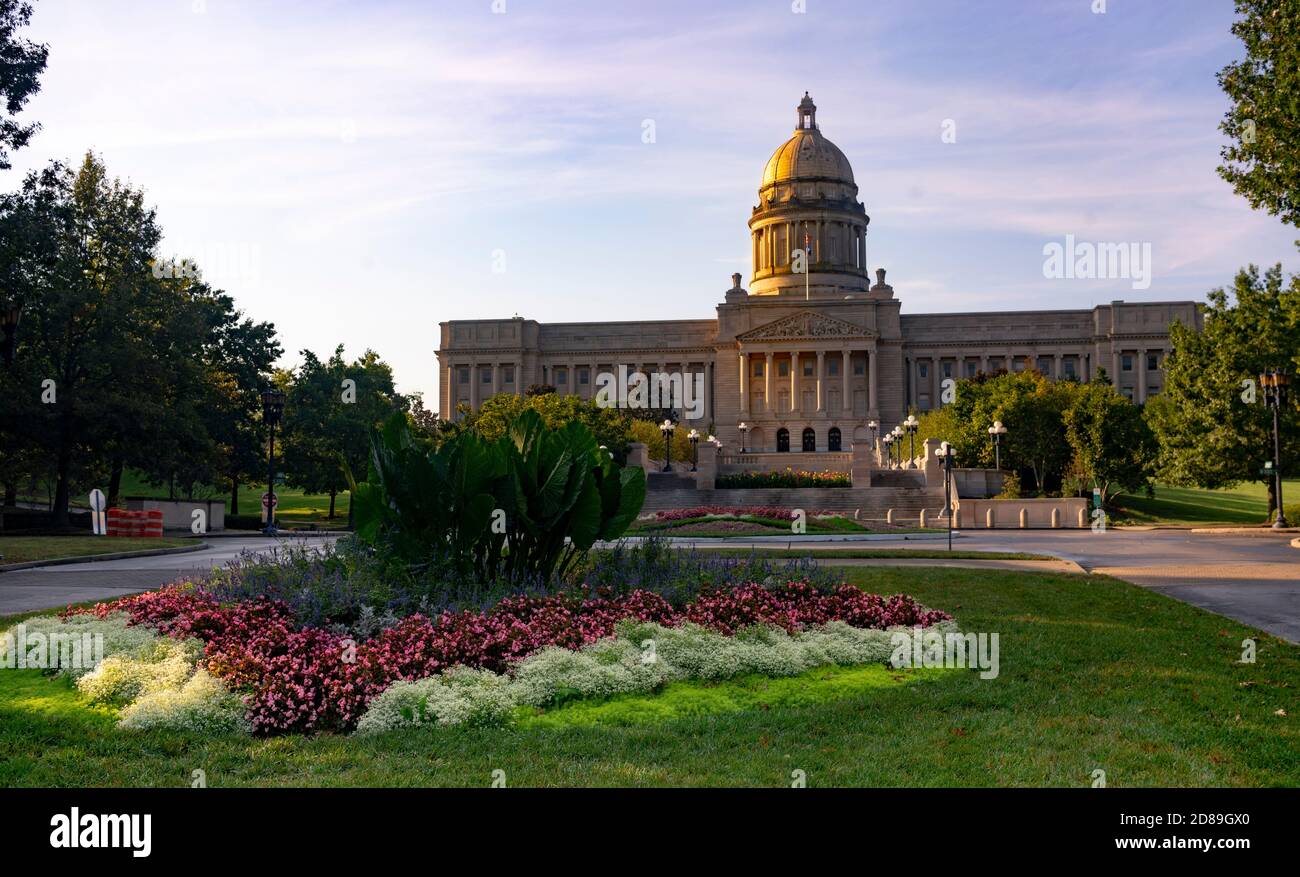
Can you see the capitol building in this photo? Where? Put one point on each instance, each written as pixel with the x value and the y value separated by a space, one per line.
pixel 818 346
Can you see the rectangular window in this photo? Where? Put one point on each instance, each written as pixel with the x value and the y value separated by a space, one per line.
pixel 1127 393
pixel 758 369
pixel 808 368
pixel 561 375
pixel 859 368
pixel 584 376
pixel 971 368
pixel 1126 363
pixel 783 369
pixel 1152 390
pixel 1069 367
pixel 462 374
pixel 1018 364
pixel 924 369
pixel 1045 365
pixel 833 368
pixel 485 375
pixel 925 402
pixel 508 374
pixel 947 369
pixel 1153 362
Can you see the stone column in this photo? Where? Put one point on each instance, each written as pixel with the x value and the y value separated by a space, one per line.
pixel 744 383
pixel 984 363
pixel 821 381
pixel 794 380
pixel 767 383
pixel 846 391
pixel 496 378
pixel 474 382
pixel 1114 366
pixel 873 383
pixel 1140 395
pixel 1057 367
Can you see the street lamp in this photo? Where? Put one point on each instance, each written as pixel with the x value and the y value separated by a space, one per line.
pixel 888 442
pixel 9 324
pixel 874 427
pixel 996 432
pixel 744 428
pixel 898 443
pixel 272 411
pixel 694 436
pixel 667 429
pixel 910 425
pixel 946 454
pixel 1275 384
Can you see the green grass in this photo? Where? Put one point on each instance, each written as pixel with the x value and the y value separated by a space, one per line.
pixel 1244 504
pixel 706 525
pixel 1095 674
pixel 295 507
pixel 22 549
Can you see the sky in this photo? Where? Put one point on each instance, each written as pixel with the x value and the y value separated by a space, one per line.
pixel 357 172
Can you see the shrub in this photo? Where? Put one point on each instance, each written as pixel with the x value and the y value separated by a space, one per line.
pixel 786 478
pixel 455 697
pixel 119 637
pixel 202 705
pixel 164 664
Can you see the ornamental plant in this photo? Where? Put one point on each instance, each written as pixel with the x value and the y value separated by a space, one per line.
pixel 787 478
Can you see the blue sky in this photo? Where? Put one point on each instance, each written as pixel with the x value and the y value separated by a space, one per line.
pixel 347 170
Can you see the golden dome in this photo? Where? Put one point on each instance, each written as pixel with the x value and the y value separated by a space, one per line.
pixel 807 155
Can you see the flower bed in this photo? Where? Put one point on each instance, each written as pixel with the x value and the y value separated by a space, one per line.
pixel 786 478
pixel 295 679
pixel 778 513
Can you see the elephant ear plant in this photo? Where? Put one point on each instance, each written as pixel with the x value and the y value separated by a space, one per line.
pixel 523 509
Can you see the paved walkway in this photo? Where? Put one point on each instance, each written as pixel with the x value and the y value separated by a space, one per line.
pixel 1255 580
pixel 25 590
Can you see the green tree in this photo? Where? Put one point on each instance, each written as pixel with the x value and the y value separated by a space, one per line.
pixel 1262 161
pixel 331 409
pixel 1114 448
pixel 21 64
pixel 608 425
pixel 1213 427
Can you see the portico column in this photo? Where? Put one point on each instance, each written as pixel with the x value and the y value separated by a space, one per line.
pixel 496 378
pixel 744 383
pixel 794 380
pixel 1057 367
pixel 846 394
pixel 1114 366
pixel 1141 395
pixel 767 383
pixel 474 380
pixel 984 363
pixel 821 381
pixel 872 383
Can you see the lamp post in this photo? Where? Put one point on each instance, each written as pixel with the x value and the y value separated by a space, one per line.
pixel 888 442
pixel 996 432
pixel 945 455
pixel 898 444
pixel 694 436
pixel 9 317
pixel 873 427
pixel 667 429
pixel 1275 384
pixel 744 428
pixel 272 411
pixel 910 425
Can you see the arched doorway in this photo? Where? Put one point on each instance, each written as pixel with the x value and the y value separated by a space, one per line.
pixel 833 439
pixel 783 440
pixel 809 440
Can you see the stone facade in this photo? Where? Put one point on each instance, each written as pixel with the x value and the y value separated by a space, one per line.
pixel 813 352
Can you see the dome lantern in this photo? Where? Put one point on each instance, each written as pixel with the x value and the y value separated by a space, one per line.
pixel 807 114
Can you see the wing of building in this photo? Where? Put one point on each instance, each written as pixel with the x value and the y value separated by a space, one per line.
pixel 816 353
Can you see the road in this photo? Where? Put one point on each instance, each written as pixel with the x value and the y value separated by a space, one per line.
pixel 1254 579
pixel 56 586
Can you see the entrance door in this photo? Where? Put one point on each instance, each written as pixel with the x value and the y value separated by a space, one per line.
pixel 833 439
pixel 783 440
pixel 809 440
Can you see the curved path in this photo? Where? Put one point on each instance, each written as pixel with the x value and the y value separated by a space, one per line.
pixel 1253 579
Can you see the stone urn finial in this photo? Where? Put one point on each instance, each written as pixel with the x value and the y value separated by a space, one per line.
pixel 880 276
pixel 735 280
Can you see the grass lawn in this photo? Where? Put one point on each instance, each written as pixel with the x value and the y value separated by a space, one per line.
pixel 22 549
pixel 1095 674
pixel 1243 504
pixel 749 525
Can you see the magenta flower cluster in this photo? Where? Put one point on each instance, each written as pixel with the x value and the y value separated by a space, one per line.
pixel 309 679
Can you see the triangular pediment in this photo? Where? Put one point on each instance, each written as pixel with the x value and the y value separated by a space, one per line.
pixel 805 326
